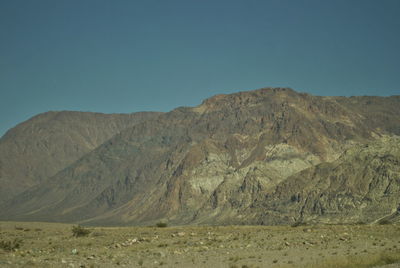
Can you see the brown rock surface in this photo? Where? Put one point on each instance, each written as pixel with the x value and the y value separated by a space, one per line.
pixel 225 161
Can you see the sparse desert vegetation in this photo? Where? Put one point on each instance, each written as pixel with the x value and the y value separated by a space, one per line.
pixel 10 245
pixel 54 245
pixel 79 231
pixel 161 224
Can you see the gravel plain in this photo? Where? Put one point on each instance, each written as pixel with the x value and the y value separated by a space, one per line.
pixel 31 244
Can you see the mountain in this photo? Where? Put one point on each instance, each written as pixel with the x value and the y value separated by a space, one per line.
pixel 361 186
pixel 269 156
pixel 38 148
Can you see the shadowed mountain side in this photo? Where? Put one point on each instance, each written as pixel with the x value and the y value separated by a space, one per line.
pixel 208 164
pixel 45 144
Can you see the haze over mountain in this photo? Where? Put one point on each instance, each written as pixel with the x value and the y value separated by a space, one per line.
pixel 269 156
pixel 42 146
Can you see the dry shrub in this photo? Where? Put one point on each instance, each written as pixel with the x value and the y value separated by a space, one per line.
pixel 79 231
pixel 161 224
pixel 11 245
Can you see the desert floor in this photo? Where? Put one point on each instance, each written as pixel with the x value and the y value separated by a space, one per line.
pixel 29 244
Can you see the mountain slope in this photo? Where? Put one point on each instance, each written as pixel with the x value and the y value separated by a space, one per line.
pixel 213 163
pixel 363 185
pixel 45 144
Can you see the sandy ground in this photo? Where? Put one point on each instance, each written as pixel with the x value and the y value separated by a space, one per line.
pixel 53 245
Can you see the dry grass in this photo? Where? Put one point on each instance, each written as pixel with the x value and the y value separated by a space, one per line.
pixel 365 261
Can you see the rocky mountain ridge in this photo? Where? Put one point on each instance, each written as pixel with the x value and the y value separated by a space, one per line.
pixel 252 157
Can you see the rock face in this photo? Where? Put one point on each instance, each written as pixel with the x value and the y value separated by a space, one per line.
pixel 270 156
pixel 363 185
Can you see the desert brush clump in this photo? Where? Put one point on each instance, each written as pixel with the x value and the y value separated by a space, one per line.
pixel 79 231
pixel 10 245
pixel 384 222
pixel 298 224
pixel 161 224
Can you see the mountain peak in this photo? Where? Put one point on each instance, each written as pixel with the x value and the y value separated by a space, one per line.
pixel 272 156
pixel 238 99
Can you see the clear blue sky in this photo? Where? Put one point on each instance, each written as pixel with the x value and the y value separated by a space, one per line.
pixel 126 55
